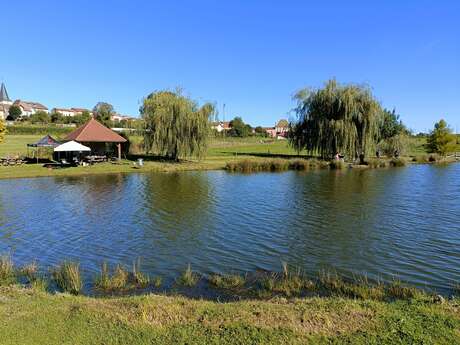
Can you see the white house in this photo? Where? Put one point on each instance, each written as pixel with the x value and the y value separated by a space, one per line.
pixel 30 108
pixel 220 126
pixel 71 112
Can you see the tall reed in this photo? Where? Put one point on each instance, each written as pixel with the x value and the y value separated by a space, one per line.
pixel 7 272
pixel 68 277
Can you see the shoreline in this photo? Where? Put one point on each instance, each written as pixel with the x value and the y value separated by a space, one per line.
pixel 256 164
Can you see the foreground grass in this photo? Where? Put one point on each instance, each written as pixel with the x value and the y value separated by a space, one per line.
pixel 28 316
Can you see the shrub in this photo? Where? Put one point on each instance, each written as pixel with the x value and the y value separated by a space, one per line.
pixel 67 277
pixel 139 278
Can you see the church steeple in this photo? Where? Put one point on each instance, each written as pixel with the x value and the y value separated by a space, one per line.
pixel 4 95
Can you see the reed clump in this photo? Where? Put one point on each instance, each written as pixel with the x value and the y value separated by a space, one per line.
pixel 376 163
pixel 7 272
pixel 30 271
pixel 116 281
pixel 227 281
pixel 337 164
pixel 398 162
pixel 188 277
pixel 68 277
pixel 397 290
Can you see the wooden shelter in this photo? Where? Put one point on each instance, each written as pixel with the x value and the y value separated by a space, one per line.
pixel 95 135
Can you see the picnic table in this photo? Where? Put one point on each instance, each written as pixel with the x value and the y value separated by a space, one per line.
pixel 96 159
pixel 7 161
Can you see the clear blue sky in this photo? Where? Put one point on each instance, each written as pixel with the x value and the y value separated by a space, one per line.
pixel 250 55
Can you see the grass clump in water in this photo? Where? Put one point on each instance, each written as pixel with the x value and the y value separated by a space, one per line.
pixel 337 164
pixel 140 279
pixel 397 290
pixel 398 162
pixel 7 273
pixel 227 281
pixel 376 163
pixel 116 281
pixel 30 271
pixel 188 277
pixel 68 277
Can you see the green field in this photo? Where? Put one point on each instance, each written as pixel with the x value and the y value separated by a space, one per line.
pixel 29 316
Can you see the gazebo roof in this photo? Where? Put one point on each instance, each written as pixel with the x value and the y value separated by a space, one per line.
pixel 46 141
pixel 94 131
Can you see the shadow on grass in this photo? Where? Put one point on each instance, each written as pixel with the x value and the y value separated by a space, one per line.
pixel 266 155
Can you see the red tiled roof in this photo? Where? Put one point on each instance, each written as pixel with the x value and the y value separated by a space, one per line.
pixel 94 131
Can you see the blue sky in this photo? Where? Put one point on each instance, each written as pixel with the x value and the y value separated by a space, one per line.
pixel 251 55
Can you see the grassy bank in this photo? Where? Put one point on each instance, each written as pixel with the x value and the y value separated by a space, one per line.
pixel 28 316
pixel 239 155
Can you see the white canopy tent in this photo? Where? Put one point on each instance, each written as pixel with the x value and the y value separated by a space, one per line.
pixel 71 152
pixel 71 146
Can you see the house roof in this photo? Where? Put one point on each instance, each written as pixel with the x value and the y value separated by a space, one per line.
pixel 4 94
pixel 282 123
pixel 94 131
pixel 28 106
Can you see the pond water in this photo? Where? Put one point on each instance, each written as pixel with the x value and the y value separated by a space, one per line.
pixel 401 222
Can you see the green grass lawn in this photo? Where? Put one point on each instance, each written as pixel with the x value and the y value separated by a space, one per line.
pixel 17 144
pixel 29 316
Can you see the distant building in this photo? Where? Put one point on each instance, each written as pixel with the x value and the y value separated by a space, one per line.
pixel 30 108
pixel 5 102
pixel 71 112
pixel 280 130
pixel 220 126
pixel 119 117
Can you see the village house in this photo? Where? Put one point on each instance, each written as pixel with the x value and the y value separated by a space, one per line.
pixel 119 117
pixel 280 131
pixel 30 108
pixel 70 112
pixel 5 102
pixel 220 126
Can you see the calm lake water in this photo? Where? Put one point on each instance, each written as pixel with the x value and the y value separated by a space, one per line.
pixel 402 222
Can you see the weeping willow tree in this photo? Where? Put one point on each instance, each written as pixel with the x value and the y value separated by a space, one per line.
pixel 176 127
pixel 336 118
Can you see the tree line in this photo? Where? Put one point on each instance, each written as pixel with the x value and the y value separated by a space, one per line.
pixel 337 118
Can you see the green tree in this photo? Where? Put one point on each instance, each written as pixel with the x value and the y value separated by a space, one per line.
pixel 336 118
pixel 238 128
pixel 393 134
pixel 56 117
pixel 14 112
pixel 260 131
pixel 103 112
pixel 441 140
pixel 81 118
pixel 2 130
pixel 40 117
pixel 175 126
pixel 391 125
